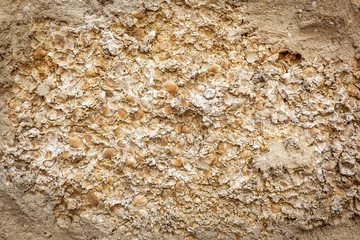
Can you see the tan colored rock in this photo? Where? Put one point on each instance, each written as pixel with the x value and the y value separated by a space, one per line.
pixel 180 186
pixel 177 162
pixel 109 153
pixel 353 91
pixel 139 114
pixel 39 53
pixel 168 110
pixel 122 113
pixel 91 73
pixel 213 69
pixel 171 87
pixel 140 201
pixel 75 142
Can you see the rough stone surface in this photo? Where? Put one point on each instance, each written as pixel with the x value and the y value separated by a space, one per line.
pixel 179 120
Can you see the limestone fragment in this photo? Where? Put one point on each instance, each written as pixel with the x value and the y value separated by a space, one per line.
pixel 177 162
pixel 39 53
pixel 171 87
pixel 140 201
pixel 75 142
pixel 353 91
pixel 109 153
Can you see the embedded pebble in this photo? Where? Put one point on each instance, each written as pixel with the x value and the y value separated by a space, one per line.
pixel 171 87
pixel 75 142
pixel 109 152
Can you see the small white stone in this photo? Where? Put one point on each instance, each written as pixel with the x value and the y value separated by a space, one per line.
pixel 43 89
pixel 25 10
pixel 209 93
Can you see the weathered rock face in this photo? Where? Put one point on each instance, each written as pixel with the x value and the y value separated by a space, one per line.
pixel 177 120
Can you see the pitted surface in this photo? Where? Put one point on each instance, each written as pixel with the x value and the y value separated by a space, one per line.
pixel 179 120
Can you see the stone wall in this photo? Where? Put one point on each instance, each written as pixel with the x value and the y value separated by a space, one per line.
pixel 175 119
